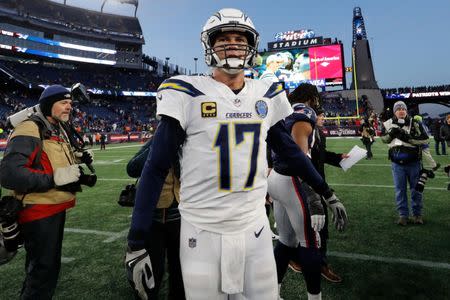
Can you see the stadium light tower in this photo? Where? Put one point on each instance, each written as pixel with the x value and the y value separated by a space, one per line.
pixel 167 66
pixel 363 73
pixel 195 64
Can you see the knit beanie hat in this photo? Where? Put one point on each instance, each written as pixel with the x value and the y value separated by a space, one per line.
pixel 50 95
pixel 398 105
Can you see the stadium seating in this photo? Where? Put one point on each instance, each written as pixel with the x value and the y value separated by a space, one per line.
pixel 131 80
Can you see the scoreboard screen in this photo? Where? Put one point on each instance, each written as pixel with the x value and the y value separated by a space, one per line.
pixel 320 65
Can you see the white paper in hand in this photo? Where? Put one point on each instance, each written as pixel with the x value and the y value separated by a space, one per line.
pixel 355 155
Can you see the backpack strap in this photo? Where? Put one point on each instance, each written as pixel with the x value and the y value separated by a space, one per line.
pixel 44 133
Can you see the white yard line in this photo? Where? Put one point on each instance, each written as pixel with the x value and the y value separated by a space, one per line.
pixel 373 165
pixel 413 262
pixel 116 179
pixel 113 236
pixel 117 236
pixel 381 186
pixel 66 260
pixel 118 147
pixel 332 184
pixel 89 231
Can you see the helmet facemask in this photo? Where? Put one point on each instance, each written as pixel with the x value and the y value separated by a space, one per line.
pixel 230 63
pixel 230 20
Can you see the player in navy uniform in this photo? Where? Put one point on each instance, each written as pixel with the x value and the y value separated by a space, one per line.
pixel 298 209
pixel 221 124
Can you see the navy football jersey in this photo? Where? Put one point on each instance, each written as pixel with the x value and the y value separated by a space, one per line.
pixel 302 113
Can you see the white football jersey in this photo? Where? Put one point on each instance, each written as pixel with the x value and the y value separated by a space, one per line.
pixel 223 160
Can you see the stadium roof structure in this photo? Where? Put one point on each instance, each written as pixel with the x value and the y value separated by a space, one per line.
pixel 132 2
pixel 74 19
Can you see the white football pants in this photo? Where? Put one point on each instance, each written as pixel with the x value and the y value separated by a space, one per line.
pixel 217 266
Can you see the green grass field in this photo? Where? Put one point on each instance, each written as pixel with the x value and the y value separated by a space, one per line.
pixel 376 258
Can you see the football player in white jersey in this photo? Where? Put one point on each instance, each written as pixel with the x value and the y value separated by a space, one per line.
pixel 220 125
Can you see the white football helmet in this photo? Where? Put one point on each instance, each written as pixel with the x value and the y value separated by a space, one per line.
pixel 229 19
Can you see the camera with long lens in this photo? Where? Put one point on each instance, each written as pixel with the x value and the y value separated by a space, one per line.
pixel 10 237
pixel 424 175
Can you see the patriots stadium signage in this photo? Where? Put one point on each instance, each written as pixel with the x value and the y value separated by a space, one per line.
pixel 294 35
pixel 300 43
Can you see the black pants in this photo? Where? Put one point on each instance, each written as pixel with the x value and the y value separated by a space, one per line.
pixel 165 239
pixel 436 147
pixel 43 242
pixel 368 145
pixel 308 258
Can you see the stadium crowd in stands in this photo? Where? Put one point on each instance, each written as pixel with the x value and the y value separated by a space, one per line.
pixel 417 89
pixel 119 116
pixel 134 114
pixel 130 80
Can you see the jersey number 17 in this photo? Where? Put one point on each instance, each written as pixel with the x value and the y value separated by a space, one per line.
pixel 222 145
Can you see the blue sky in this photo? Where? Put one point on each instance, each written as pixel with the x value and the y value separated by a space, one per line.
pixel 409 40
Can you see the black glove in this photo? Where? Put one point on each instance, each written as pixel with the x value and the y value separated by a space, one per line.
pixel 394 132
pixel 404 136
pixel 9 208
pixel 85 157
pixel 398 133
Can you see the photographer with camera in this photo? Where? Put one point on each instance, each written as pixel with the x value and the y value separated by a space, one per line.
pixel 404 137
pixel 41 166
pixel 164 240
pixel 367 135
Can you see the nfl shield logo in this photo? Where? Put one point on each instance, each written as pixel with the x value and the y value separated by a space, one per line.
pixel 237 102
pixel 192 243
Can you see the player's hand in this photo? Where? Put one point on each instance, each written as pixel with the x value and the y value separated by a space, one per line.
pixel 317 222
pixel 66 175
pixel 344 156
pixel 139 272
pixel 85 156
pixel 339 214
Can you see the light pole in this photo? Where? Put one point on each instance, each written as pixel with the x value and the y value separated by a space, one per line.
pixel 195 64
pixel 167 66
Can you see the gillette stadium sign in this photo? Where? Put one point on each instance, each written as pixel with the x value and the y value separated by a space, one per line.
pixel 294 35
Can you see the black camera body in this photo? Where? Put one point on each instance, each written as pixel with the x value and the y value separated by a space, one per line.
pixel 127 196
pixel 87 179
